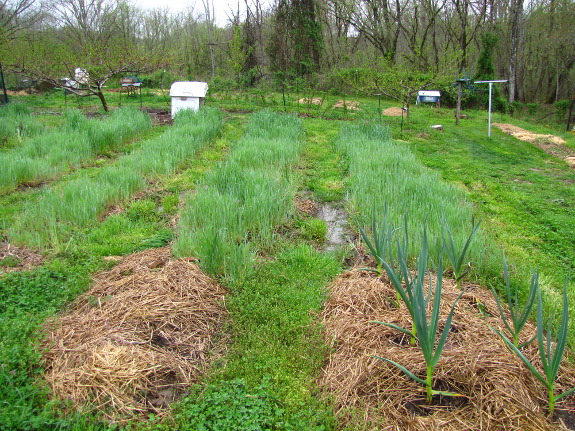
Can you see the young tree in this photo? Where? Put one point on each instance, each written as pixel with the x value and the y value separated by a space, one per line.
pixel 401 83
pixel 89 38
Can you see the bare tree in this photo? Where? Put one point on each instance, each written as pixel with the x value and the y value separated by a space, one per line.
pixel 15 16
pixel 86 22
pixel 379 21
pixel 516 23
pixel 464 20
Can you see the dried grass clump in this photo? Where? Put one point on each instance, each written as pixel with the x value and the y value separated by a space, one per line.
pixel 500 393
pixel 393 112
pixel 145 331
pixel 307 206
pixel 351 105
pixel 18 258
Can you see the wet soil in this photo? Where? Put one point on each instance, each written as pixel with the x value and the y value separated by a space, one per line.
pixel 336 220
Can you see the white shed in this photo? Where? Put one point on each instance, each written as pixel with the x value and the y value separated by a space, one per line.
pixel 188 95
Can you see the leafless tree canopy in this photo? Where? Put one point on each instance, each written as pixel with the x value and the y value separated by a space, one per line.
pixel 15 16
pixel 308 39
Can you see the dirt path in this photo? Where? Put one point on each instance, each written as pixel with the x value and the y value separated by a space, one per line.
pixel 551 144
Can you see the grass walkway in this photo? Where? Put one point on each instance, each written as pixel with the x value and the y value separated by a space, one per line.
pixel 277 349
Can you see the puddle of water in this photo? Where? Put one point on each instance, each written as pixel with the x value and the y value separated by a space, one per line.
pixel 336 219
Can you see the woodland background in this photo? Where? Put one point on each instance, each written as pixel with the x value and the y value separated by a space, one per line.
pixel 361 46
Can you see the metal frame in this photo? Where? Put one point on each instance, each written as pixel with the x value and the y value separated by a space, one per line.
pixel 490 97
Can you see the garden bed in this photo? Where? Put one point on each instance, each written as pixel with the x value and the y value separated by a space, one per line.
pixel 498 392
pixel 131 345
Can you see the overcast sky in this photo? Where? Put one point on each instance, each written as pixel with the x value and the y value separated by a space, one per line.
pixel 221 7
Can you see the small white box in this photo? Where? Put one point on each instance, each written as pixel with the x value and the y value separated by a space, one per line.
pixel 187 95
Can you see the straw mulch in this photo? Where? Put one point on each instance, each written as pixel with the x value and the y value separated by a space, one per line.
pixel 393 112
pixel 307 206
pixel 18 258
pixel 550 144
pixel 132 344
pixel 499 392
pixel 311 100
pixel 527 136
pixel 352 105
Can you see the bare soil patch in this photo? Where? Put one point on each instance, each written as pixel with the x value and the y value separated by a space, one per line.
pixel 14 258
pixel 499 393
pixel 352 105
pixel 159 117
pixel 18 93
pixel 132 344
pixel 551 144
pixel 393 112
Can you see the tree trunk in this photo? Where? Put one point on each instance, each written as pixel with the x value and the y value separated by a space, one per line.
pixel 516 18
pixel 102 98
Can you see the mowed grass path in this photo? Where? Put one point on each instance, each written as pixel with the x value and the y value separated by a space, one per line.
pixel 267 380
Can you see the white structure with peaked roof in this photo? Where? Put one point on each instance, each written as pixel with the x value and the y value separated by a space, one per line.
pixel 187 95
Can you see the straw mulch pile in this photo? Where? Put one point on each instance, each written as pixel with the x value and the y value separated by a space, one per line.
pixel 18 258
pixel 527 136
pixel 352 105
pixel 393 112
pixel 500 393
pixel 311 100
pixel 145 331
pixel 550 144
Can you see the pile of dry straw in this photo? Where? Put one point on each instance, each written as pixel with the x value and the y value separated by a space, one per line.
pixel 499 392
pixel 22 258
pixel 145 331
